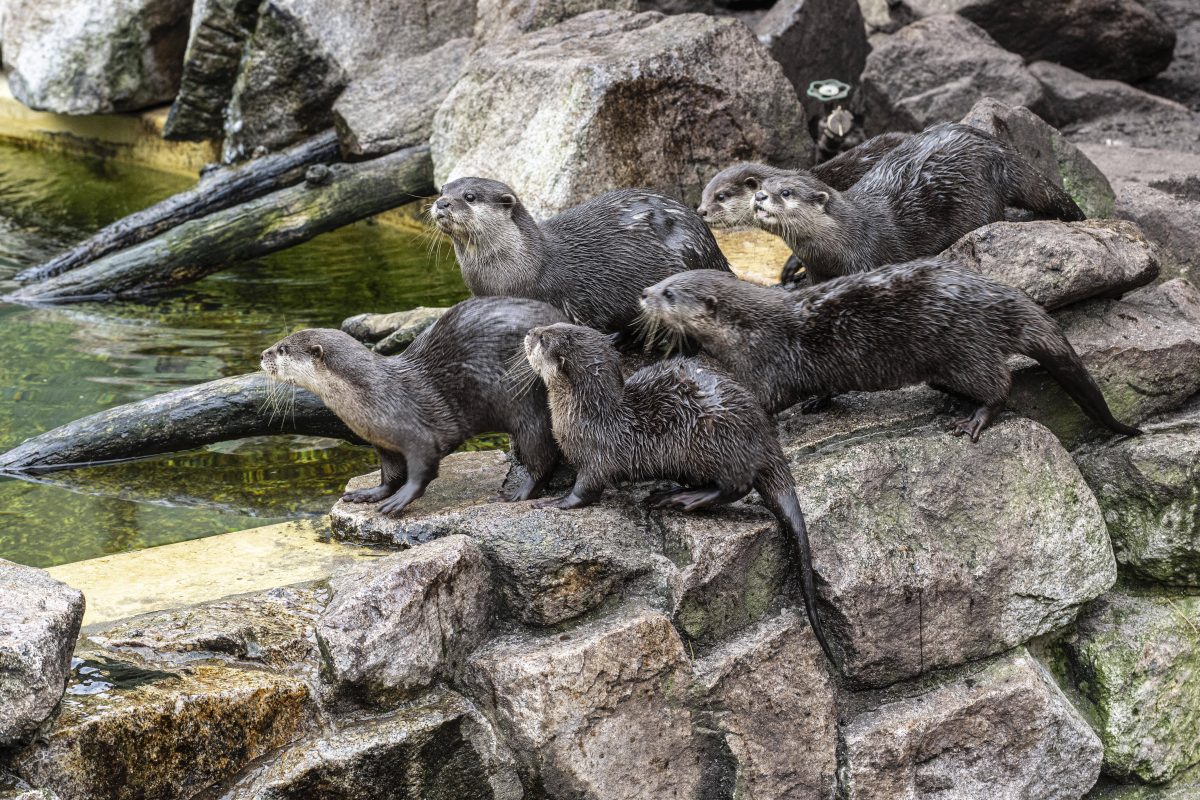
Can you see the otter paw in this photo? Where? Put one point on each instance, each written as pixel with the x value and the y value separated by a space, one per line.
pixel 967 427
pixel 395 506
pixel 814 404
pixel 367 495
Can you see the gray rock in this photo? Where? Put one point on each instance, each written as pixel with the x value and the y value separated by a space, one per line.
pixel 88 57
pixel 610 99
pixel 1185 786
pixel 1059 263
pixel 392 107
pixel 39 622
pixel 885 16
pixel 814 40
pixel 1049 151
pixel 1181 79
pixel 501 19
pixel 371 328
pixel 1119 39
pixel 1143 350
pixel 400 624
pixel 1000 730
pixel 1136 666
pixel 931 551
pixel 417 320
pixel 769 696
pixel 28 794
pixel 438 748
pixel 219 31
pixel 125 731
pixel 1147 488
pixel 1074 97
pixel 935 70
pixel 595 712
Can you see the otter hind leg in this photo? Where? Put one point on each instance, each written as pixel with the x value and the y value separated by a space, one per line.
pixel 974 425
pixel 536 450
pixel 587 490
pixel 987 384
pixel 392 472
pixel 694 499
pixel 421 470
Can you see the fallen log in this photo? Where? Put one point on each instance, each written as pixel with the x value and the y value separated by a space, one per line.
pixel 220 410
pixel 329 198
pixel 216 190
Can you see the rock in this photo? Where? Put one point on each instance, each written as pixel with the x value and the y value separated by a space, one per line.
pixel 610 99
pixel 1073 97
pixel 1181 79
pixel 125 731
pixel 1136 667
pixel 814 40
pixel 219 30
pixel 998 730
pixel 94 57
pixel 371 328
pixel 1148 489
pixel 1060 263
pixel 28 794
pixel 1049 151
pixel 769 697
pixel 1186 786
pixel 399 624
pixel 39 622
pixel 393 106
pixel 595 712
pixel 885 16
pixel 1119 39
pixel 438 748
pixel 550 566
pixel 935 70
pixel 1143 350
pixel 413 325
pixel 1170 217
pixel 931 551
pixel 275 629
pixel 501 19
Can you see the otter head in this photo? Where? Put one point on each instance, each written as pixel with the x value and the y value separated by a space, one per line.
pixel 473 208
pixel 695 303
pixel 793 205
pixel 571 353
pixel 728 199
pixel 308 358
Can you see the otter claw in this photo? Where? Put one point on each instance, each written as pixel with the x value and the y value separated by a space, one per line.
pixel 367 495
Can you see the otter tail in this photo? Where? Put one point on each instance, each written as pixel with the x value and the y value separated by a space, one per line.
pixel 778 494
pixel 1064 365
pixel 1043 197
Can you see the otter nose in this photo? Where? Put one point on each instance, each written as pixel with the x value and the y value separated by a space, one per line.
pixel 760 196
pixel 443 202
pixel 265 352
pixel 702 211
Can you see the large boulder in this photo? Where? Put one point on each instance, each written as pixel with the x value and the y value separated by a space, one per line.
pixel 1136 667
pixel 39 622
pixel 438 748
pixel 1148 488
pixel 1003 729
pixel 611 99
pixel 768 696
pixel 931 551
pixel 1143 350
pixel 94 57
pixel 597 711
pixel 1048 150
pixel 127 731
pixel 1119 39
pixel 399 624
pixel 935 70
pixel 1060 263
pixel 500 19
pixel 1181 79
pixel 814 40
pixel 1073 97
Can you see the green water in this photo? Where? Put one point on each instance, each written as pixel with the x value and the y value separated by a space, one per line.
pixel 60 364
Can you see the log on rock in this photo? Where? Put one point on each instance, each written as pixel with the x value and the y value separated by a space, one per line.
pixel 217 190
pixel 229 408
pixel 329 198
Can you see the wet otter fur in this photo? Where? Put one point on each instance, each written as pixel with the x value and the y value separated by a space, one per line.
pixel 683 420
pixel 918 200
pixel 926 321
pixel 452 383
pixel 591 261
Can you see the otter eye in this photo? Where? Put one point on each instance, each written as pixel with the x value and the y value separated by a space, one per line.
pixel 283 349
pixel 786 193
pixel 668 294
pixel 721 196
pixel 469 197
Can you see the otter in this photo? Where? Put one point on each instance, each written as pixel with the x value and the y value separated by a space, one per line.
pixel 453 382
pixel 591 261
pixel 918 200
pixel 683 420
pixel 923 321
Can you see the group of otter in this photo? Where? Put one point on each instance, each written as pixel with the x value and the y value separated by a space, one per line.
pixel 569 294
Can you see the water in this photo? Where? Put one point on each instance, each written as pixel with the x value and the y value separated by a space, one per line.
pixel 60 364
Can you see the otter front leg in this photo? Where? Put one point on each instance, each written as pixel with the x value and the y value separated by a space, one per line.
pixel 973 425
pixel 586 491
pixel 392 472
pixel 421 470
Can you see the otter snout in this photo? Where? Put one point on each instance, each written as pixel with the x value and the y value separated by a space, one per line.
pixel 702 211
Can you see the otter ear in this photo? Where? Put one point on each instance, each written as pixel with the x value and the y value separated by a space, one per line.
pixel 820 199
pixel 317 352
pixel 710 302
pixel 752 184
pixel 507 200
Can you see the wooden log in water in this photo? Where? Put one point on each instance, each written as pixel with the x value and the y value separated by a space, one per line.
pixel 229 408
pixel 338 195
pixel 216 190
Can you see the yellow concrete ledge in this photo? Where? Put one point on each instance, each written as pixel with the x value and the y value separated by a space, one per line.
pixel 187 573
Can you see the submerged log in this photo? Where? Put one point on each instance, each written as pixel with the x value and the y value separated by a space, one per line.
pixel 329 198
pixel 229 408
pixel 215 191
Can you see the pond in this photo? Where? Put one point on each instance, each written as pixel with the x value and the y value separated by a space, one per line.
pixel 59 364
